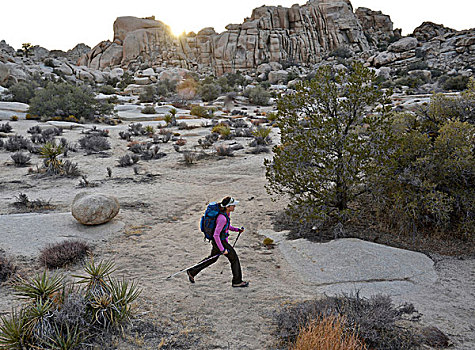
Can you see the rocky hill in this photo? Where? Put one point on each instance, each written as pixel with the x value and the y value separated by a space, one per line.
pixel 268 45
pixel 300 34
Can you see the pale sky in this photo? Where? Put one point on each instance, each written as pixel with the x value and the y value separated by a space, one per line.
pixel 59 24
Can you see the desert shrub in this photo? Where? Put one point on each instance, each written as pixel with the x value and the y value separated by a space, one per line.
pixel 187 88
pixel 107 90
pixel 7 268
pixel 127 79
pixel 208 140
pixel 223 130
pixel 6 127
pixel 262 132
pixel 68 315
pixel 199 111
pixel 429 182
pixel 243 132
pixel 457 83
pixel 258 95
pixel 259 149
pixel 189 157
pixel 70 169
pixel 23 202
pixel 23 91
pixel 224 151
pixel 16 143
pixel 45 135
pixel 97 132
pixel 34 130
pixel 373 319
pixel 128 160
pixel 125 135
pixel 136 129
pixel 62 254
pixel 209 91
pixel 151 151
pixel 14 118
pixel 20 159
pixel 63 100
pixel 148 95
pixel 327 333
pixel 421 65
pixel 328 141
pixel 166 87
pixel 410 81
pixel 148 110
pixel 93 143
pixel 149 129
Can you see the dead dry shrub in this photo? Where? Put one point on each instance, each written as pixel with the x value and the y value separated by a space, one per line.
pixel 328 333
pixel 7 268
pixel 63 254
pixel 376 319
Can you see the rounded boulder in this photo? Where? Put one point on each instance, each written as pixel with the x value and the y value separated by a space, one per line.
pixel 94 209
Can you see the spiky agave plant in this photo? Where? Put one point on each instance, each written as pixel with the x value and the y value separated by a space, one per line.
pixel 14 331
pixel 50 152
pixel 41 287
pixel 123 294
pixel 96 278
pixel 65 338
pixel 40 319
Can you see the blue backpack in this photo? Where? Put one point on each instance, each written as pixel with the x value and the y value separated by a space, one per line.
pixel 208 220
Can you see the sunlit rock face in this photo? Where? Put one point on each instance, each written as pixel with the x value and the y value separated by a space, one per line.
pixel 300 34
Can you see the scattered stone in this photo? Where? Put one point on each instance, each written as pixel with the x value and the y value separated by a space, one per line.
pixel 94 209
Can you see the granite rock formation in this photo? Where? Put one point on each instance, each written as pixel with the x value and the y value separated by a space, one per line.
pixel 300 34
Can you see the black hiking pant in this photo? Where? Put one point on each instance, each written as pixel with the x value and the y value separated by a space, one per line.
pixel 232 257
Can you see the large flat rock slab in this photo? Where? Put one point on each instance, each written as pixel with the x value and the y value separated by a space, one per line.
pixel 349 265
pixel 27 234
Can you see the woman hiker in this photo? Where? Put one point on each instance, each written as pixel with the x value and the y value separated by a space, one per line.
pixel 221 245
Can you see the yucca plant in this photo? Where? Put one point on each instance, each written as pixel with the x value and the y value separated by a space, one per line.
pixel 223 130
pixel 41 288
pixel 123 294
pixel 49 152
pixel 65 338
pixel 96 277
pixel 40 319
pixel 261 132
pixel 13 331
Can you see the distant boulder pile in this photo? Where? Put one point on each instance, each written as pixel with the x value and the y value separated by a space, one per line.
pixel 275 44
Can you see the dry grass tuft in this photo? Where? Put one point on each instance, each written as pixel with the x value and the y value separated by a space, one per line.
pixel 327 334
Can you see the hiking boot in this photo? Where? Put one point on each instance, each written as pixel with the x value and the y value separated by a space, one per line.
pixel 191 278
pixel 241 285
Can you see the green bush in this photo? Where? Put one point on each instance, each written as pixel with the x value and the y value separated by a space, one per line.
pixel 428 185
pixel 107 90
pixel 199 111
pixel 63 100
pixel 23 91
pixel 148 95
pixel 258 96
pixel 166 87
pixel 457 83
pixel 148 110
pixel 127 79
pixel 209 91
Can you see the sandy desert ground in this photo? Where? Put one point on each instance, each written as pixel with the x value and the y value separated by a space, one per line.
pixel 161 208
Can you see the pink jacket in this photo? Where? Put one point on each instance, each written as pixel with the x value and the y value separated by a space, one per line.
pixel 220 223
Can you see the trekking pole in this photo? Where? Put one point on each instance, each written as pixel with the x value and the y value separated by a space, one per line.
pixel 242 229
pixel 185 269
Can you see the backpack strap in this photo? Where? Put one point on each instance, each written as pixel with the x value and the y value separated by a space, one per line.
pixel 223 234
